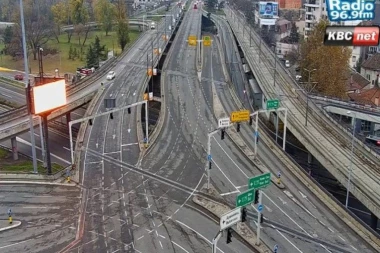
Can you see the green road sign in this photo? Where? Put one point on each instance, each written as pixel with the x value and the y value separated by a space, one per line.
pixel 273 104
pixel 245 198
pixel 259 181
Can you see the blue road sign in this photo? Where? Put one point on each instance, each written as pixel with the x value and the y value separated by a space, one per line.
pixel 9 212
pixel 279 174
pixel 209 158
pixel 145 140
pixel 260 208
pixel 275 248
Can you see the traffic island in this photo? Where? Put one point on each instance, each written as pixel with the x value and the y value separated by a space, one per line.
pixel 219 209
pixel 5 225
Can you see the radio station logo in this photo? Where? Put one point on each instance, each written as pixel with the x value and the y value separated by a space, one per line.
pixel 349 10
pixel 352 36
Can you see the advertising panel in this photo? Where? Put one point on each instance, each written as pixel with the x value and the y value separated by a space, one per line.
pixel 49 96
pixel 268 9
pixel 264 21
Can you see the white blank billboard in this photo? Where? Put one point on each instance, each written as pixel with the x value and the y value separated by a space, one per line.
pixel 49 96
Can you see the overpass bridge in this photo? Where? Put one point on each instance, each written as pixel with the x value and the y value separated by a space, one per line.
pixel 16 121
pixel 321 138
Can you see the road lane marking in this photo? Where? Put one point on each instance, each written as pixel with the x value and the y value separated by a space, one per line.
pixel 160 244
pixel 228 193
pixel 13 244
pixel 129 144
pixel 353 247
pixel 40 207
pixel 29 144
pixel 341 238
pixel 179 246
pixel 225 175
pixel 289 241
pixel 66 149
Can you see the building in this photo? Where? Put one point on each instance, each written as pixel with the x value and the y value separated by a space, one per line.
pixel 370 69
pixel 283 28
pixel 290 4
pixel 314 11
pixel 355 82
pixel 266 14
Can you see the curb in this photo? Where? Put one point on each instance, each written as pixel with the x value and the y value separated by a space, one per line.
pixel 242 229
pixel 18 223
pixel 37 183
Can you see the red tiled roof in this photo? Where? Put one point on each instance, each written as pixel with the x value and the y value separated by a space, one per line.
pixel 372 63
pixel 355 81
pixel 366 96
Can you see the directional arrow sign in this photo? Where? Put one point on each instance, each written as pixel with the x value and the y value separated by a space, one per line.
pixel 245 198
pixel 259 181
pixel 224 122
pixel 231 218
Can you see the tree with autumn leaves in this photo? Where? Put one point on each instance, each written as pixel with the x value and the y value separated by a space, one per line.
pixel 330 62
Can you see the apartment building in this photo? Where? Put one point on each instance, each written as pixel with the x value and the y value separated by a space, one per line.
pixel 314 11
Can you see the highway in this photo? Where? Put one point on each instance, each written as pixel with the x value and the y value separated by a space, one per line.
pixel 328 145
pixel 47 214
pixel 295 207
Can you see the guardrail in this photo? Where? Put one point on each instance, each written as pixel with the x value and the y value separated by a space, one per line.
pixel 350 104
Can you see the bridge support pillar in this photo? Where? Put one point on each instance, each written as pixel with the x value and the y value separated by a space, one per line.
pixel 372 128
pixel 374 221
pixel 14 148
pixel 68 118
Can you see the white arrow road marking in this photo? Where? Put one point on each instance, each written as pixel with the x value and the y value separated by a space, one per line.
pixel 129 130
pixel 303 195
pixel 134 93
pixel 113 136
pixel 267 207
pixel 298 203
pixel 111 95
pixel 283 202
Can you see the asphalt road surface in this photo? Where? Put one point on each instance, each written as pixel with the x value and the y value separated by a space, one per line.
pixel 295 207
pixel 48 216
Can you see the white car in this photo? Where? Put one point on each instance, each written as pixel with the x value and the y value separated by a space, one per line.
pixel 153 25
pixel 287 64
pixel 111 75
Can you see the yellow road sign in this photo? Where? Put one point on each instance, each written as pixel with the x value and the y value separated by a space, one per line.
pixel 192 39
pixel 239 116
pixel 206 41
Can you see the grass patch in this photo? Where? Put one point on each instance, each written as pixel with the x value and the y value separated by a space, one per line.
pixel 61 60
pixel 23 165
pixel 3 153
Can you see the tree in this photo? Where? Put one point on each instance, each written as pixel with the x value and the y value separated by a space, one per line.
pixel 100 50
pixel 91 57
pixel 38 27
pixel 80 17
pixel 105 14
pixel 330 62
pixel 8 35
pixel 294 35
pixel 61 17
pixel 122 24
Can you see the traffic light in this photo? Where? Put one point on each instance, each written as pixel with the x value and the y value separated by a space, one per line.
pixel 238 127
pixel 262 218
pixel 222 133
pixel 250 121
pixel 244 214
pixel 257 193
pixel 229 235
pixel 90 122
pixel 111 115
pixel 129 110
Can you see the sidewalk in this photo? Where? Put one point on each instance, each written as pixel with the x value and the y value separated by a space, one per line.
pixel 4 225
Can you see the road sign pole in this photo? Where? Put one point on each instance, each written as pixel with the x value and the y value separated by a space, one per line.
pixel 215 241
pixel 146 121
pixel 209 154
pixel 258 221
pixel 256 129
pixel 284 138
pixel 276 125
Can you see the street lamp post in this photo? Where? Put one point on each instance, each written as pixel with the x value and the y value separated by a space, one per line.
pixel 275 64
pixel 307 94
pixel 352 153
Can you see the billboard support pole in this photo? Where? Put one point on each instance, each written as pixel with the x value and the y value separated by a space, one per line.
pixel 46 137
pixel 27 90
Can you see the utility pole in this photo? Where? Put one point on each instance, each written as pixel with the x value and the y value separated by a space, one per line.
pixel 275 65
pixel 27 90
pixel 307 94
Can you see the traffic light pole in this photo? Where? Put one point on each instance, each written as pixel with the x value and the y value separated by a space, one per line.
pixel 256 113
pixel 215 241
pixel 259 219
pixel 209 158
pixel 106 113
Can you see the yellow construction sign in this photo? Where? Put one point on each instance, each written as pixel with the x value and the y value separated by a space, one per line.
pixel 145 96
pixel 192 39
pixel 239 116
pixel 206 41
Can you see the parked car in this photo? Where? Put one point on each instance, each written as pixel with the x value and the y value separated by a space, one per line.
pixel 153 25
pixel 111 75
pixel 287 64
pixel 19 77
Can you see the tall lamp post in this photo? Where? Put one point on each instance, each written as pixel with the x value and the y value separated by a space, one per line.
pixel 307 94
pixel 27 90
pixel 352 153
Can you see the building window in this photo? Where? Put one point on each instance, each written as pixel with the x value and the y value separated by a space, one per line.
pixel 353 58
pixel 368 77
